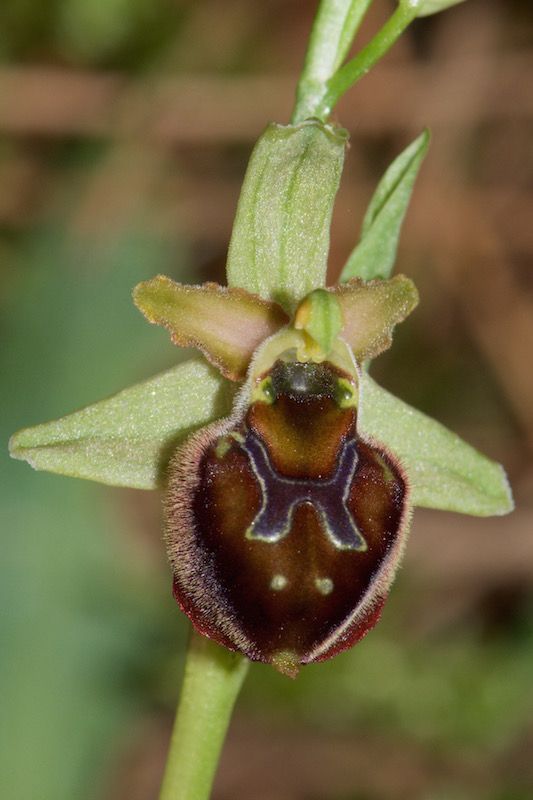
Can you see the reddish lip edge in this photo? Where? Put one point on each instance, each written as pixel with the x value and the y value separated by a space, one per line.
pixel 356 632
pixel 201 625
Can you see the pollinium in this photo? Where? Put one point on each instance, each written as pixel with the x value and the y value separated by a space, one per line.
pixel 283 526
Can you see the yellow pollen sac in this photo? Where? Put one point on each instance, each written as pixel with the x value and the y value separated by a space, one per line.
pixel 303 314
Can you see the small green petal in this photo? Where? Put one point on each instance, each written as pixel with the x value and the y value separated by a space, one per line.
pixel 370 311
pixel 375 254
pixel 444 471
pixel 226 325
pixel 319 315
pixel 127 439
pixel 280 240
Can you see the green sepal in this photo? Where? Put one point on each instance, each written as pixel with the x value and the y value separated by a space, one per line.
pixel 127 439
pixel 320 316
pixel 375 254
pixel 434 6
pixel 444 471
pixel 280 239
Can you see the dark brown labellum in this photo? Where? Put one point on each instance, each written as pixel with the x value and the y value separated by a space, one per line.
pixel 284 527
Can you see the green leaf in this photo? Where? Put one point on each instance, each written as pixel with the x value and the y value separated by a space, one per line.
pixel 375 254
pixel 280 240
pixel 434 6
pixel 444 471
pixel 127 439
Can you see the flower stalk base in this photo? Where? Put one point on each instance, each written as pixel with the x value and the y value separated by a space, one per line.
pixel 211 683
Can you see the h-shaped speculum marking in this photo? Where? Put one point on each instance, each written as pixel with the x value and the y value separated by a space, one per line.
pixel 281 496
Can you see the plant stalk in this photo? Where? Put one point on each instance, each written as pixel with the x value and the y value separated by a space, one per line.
pixel 211 683
pixel 355 69
pixel 335 27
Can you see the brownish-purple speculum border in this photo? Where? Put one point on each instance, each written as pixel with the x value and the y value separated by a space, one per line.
pixel 284 527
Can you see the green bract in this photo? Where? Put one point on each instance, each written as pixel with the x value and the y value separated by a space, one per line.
pixel 280 241
pixel 375 254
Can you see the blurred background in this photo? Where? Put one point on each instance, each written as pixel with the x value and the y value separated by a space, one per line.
pixel 125 131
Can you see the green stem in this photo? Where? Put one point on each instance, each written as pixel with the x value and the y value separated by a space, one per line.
pixel 213 678
pixel 355 69
pixel 334 29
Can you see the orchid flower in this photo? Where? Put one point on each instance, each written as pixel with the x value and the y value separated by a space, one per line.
pixel 279 416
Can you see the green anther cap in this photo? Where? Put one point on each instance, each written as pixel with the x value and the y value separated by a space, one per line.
pixel 320 316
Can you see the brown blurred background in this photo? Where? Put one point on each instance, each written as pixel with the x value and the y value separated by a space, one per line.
pixel 125 130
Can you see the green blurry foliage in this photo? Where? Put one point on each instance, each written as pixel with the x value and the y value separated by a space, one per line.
pixel 89 32
pixel 454 691
pixel 81 616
